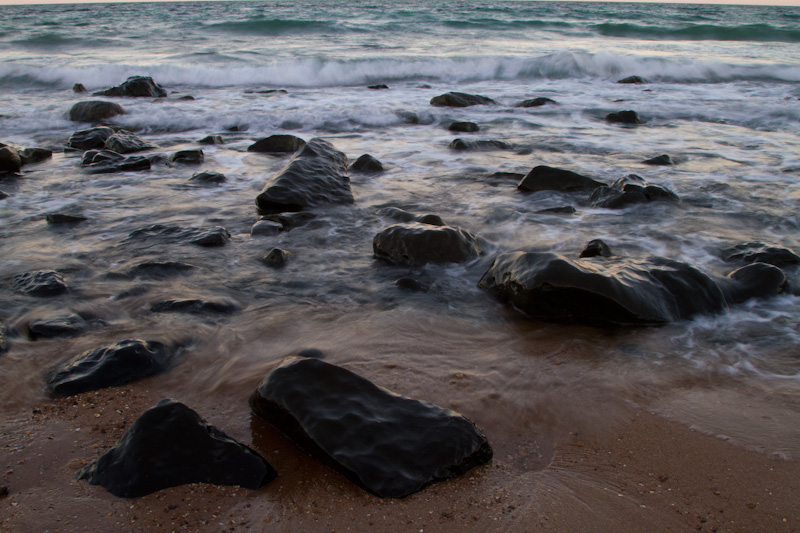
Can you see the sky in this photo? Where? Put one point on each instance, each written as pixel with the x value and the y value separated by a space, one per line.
pixel 729 2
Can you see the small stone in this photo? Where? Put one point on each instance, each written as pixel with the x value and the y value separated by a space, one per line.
pixel 192 157
pixel 212 139
pixel 537 102
pixel 661 160
pixel 624 117
pixel 465 127
pixel 633 80
pixel 64 218
pixel 366 163
pixel 378 87
pixel 276 257
pixel 208 178
pixel 266 228
pixel 78 88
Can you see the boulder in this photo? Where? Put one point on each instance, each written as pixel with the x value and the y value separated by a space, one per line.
pixel 759 252
pixel 141 86
pixel 480 145
pixel 109 366
pixel 212 139
pixel 40 283
pixel 171 445
pixel 389 445
pixel 190 157
pixel 195 306
pixel 544 178
pixel 367 164
pixel 455 99
pixel 633 80
pixel 29 156
pixel 596 248
pixel 624 117
pixel 415 243
pixel 316 175
pixel 125 142
pixel 9 159
pixel 630 190
pixel 277 144
pixel 208 178
pixel 276 257
pixel 661 160
pixel 216 236
pixel 537 102
pixel 90 139
pixel 756 280
pixel 464 127
pixel 94 111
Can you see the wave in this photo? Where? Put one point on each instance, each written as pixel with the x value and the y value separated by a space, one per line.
pixel 701 32
pixel 495 24
pixel 278 27
pixel 57 41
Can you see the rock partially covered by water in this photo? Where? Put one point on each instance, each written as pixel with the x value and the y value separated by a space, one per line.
pixel 757 280
pixel 277 144
pixel 78 88
pixel 660 160
pixel 109 366
pixel 160 269
pixel 3 340
pixel 125 142
pixel 544 178
pixel 216 236
pixel 602 291
pixel 136 86
pixel 596 248
pixel 195 306
pixel 94 111
pixel 455 99
pixel 633 80
pixel 390 445
pixel 630 190
pixel 40 283
pixel 464 127
pixel 29 156
pixel 64 325
pixel 107 162
pixel 480 145
pixel 208 178
pixel 367 164
pixel 9 159
pixel 415 243
pixel 759 252
pixel 171 445
pixel 212 139
pixel 624 117
pixel 537 102
pixel 402 215
pixel 316 175
pixel 90 139
pixel 189 157
pixel 276 258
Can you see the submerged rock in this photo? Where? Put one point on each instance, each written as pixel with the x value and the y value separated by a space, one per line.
pixel 464 127
pixel 266 228
pixel 378 87
pixel 367 164
pixel 171 445
pixel 402 215
pixel 480 144
pixel 70 325
pixel 216 236
pixel 125 142
pixel 9 159
pixel 661 160
pixel 544 178
pixel 4 195
pixel 596 248
pixel 630 190
pixel 29 156
pixel 40 283
pixel 455 99
pixel 107 162
pixel 212 139
pixel 633 80
pixel 90 139
pixel 316 175
pixel 208 178
pixel 624 117
pixel 276 257
pixel 277 144
pixel 94 111
pixel 160 269
pixel 757 280
pixel 65 218
pixel 109 366
pixel 415 243
pixel 537 102
pixel 390 445
pixel 759 252
pixel 191 157
pixel 195 306
pixel 135 86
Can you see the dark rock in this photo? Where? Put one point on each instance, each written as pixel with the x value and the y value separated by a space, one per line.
pixel 290 221
pixel 480 145
pixel 537 102
pixel 509 176
pixel 109 366
pixel 313 353
pixel 107 162
pixel 454 99
pixel 212 139
pixel 758 252
pixel 276 257
pixel 40 283
pixel 91 139
pixel 390 445
pixel 757 280
pixel 277 144
pixel 266 228
pixel 367 164
pixel 28 156
pixel 208 178
pixel 378 87
pixel 9 159
pixel 630 190
pixel 3 340
pixel 191 157
pixel 316 175
pixel 94 111
pixel 141 86
pixel 402 215
pixel 410 285
pixel 4 195
pixel 596 248
pixel 195 306
pixel 216 236
pixel 125 142
pixel 237 127
pixel 464 127
pixel 3 491
pixel 160 270
pixel 70 325
pixel 78 88
pixel 170 445
pixel 64 218
pixel 661 160
pixel 269 92
pixel 633 80
pixel 187 98
pixel 413 118
pixel 624 117
pixel 560 210
pixel 93 157
pixel 414 243
pixel 544 178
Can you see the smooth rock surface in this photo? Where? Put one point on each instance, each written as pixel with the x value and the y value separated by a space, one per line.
pixel 125 142
pixel 624 117
pixel 415 243
pixel 464 127
pixel 208 178
pixel 759 252
pixel 277 144
pixel 480 145
pixel 544 178
pixel 189 157
pixel 135 86
pixel 660 160
pixel 9 160
pixel 456 99
pixel 29 156
pixel 94 111
pixel 367 164
pixel 90 139
pixel 537 102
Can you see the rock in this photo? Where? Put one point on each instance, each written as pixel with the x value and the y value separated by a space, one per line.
pixel 758 252
pixel 596 248
pixel 4 195
pixel 537 102
pixel 208 178
pixel 3 342
pixel 290 221
pixel 91 139
pixel 28 156
pixel 135 86
pixel 624 117
pixel 160 269
pixel 216 236
pixel 661 160
pixel 465 127
pixel 402 215
pixel 277 144
pixel 268 92
pixel 195 306
pixel 414 243
pixel 70 325
pixel 107 162
pixel 455 99
pixel 40 283
pixel 544 178
pixel 78 88
pixel 410 285
pixel 390 445
pixel 212 139
pixel 413 118
pixel 187 98
pixel 93 157
pixel 266 228
pixel 378 87
pixel 560 210
pixel 109 366
pixel 125 142
pixel 276 257
pixel 603 290
pixel 506 176
pixel 3 491
pixel 94 111
pixel 480 145
pixel 316 175
pixel 171 445
pixel 191 157
pixel 630 190
pixel 757 280
pixel 633 80
pixel 9 160
pixel 367 164
pixel 64 218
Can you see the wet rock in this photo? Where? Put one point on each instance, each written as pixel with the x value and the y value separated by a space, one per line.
pixel 9 159
pixel 378 87
pixel 759 252
pixel 289 221
pixel 3 491
pixel 4 344
pixel 94 111
pixel 410 285
pixel 187 98
pixel 78 88
pixel 277 144
pixel 596 248
pixel 480 145
pixel 29 156
pixel 630 190
pixel 316 175
pixel 624 117
pixel 108 162
pixel 544 178
pixel 367 164
pixel 266 228
pixel 171 445
pixel 276 257
pixel 190 157
pixel 537 102
pixel 40 283
pixel 125 142
pixel 70 325
pixel 413 118
pixel 455 99
pixel 195 306
pixel 560 210
pixel 64 218
pixel 208 178
pixel 756 280
pixel 402 215
pixel 109 366
pixel 90 139
pixel 4 195
pixel 390 445
pixel 464 127
pixel 661 160
pixel 160 269
pixel 212 139
pixel 633 80
pixel 216 236
pixel 135 86
pixel 414 243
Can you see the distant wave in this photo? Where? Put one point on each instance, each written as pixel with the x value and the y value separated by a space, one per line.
pixel 277 26
pixel 494 24
pixel 55 40
pixel 701 32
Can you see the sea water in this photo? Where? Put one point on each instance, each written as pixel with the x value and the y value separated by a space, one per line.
pixel 723 100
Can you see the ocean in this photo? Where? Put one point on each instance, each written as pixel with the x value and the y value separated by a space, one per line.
pixel 722 100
